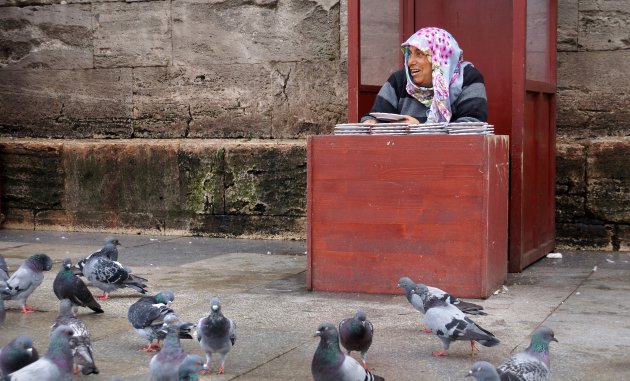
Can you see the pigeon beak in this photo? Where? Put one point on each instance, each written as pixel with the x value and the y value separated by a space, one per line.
pixel 317 333
pixel 554 339
pixel 30 351
pixel 469 373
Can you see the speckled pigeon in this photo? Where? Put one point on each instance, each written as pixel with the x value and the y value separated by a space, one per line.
pixel 190 368
pixel 82 352
pixel 355 334
pixel 534 363
pixel 67 285
pixel 110 275
pixel 17 354
pixel 330 363
pixel 216 334
pixel 164 366
pixel 109 250
pixel 466 307
pixel 26 279
pixel 450 324
pixel 55 365
pixel 147 317
pixel 483 371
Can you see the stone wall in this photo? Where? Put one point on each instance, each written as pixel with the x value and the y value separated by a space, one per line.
pixel 593 138
pixel 234 72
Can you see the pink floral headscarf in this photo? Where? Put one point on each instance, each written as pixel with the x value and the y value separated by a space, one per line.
pixel 447 61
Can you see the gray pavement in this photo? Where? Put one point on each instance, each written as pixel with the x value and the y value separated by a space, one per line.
pixel 583 297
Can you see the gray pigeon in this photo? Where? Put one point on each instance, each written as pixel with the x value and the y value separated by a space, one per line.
pixel 450 324
pixel 3 313
pixel 164 366
pixel 67 285
pixel 465 307
pixel 216 333
pixel 109 250
pixel 147 317
pixel 534 363
pixel 82 352
pixel 17 354
pixel 55 365
pixel 190 368
pixel 110 275
pixel 4 270
pixel 355 334
pixel 483 371
pixel 329 363
pixel 26 279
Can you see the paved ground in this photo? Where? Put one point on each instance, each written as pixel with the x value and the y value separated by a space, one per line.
pixel 583 297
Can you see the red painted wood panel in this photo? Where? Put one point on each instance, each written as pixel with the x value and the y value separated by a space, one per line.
pixel 430 207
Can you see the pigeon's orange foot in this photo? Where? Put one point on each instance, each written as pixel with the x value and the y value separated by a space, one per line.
pixel 221 370
pixel 473 349
pixel 426 330
pixel 151 348
pixel 440 353
pixel 103 297
pixel 27 309
pixel 206 371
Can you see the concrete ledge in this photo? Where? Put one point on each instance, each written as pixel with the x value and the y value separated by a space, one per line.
pixel 210 187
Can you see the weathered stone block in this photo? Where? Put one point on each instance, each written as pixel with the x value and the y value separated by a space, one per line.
pixel 284 31
pixel 157 111
pixel 583 236
pixel 609 179
pixel 269 181
pixel 567 39
pixel 570 207
pixel 285 227
pixel 296 111
pixel 202 176
pixel 51 104
pixel 592 101
pixel 604 25
pixel 623 237
pixel 132 34
pixel 32 175
pixel 570 168
pixel 46 37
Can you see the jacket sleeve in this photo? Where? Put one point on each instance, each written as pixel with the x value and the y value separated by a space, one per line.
pixel 472 103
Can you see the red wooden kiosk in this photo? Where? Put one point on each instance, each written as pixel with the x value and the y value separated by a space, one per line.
pixel 513 43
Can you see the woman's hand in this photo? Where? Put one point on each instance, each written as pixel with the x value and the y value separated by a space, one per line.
pixel 410 120
pixel 370 121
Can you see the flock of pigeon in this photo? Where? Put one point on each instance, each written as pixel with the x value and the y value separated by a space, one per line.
pixel 70 351
pixel 153 318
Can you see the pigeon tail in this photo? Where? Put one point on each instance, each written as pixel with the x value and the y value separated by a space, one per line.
pixel 491 342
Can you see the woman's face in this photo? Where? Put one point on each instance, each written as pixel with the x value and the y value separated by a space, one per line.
pixel 420 67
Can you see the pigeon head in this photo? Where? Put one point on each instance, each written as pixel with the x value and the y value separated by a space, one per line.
pixel 41 262
pixel 60 341
pixel 65 308
pixel 541 339
pixel 405 282
pixel 67 264
pixel 328 332
pixel 24 343
pixel 191 365
pixel 360 315
pixel 421 290
pixel 112 241
pixel 483 371
pixel 215 304
pixel 165 297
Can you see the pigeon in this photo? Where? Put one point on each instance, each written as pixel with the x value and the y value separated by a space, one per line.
pixel 449 323
pixel 26 279
pixel 110 275
pixel 483 371
pixel 329 363
pixel 164 366
pixel 80 343
pixel 3 313
pixel 355 334
pixel 533 364
pixel 216 333
pixel 147 317
pixel 17 354
pixel 190 368
pixel 4 270
pixel 109 250
pixel 466 307
pixel 55 365
pixel 67 285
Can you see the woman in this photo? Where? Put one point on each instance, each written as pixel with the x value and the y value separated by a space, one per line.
pixel 436 85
